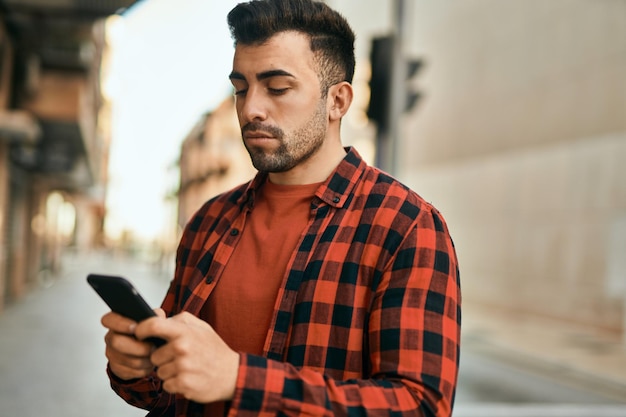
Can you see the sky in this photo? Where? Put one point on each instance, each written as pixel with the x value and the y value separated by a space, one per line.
pixel 169 65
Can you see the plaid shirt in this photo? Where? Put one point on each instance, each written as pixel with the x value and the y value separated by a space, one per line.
pixel 367 319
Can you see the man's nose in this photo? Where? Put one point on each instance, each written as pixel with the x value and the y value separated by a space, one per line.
pixel 253 106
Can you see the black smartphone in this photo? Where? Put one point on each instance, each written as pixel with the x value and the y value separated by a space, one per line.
pixel 122 297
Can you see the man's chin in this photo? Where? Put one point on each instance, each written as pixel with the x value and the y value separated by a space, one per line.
pixel 268 164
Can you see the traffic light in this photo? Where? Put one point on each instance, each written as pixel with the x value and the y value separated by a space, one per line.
pixel 381 86
pixel 414 65
pixel 381 59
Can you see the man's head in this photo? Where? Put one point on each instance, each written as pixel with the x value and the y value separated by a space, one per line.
pixel 292 68
pixel 331 38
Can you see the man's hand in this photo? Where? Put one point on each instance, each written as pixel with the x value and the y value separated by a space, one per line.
pixel 195 362
pixel 128 357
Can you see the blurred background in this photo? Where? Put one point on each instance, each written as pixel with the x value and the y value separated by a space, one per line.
pixel 117 122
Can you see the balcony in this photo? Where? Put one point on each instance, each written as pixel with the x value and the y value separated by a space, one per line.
pixel 55 90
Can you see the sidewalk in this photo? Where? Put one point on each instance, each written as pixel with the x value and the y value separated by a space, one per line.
pixel 52 359
pixel 576 355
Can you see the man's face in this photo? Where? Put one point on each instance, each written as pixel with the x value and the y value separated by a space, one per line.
pixel 282 115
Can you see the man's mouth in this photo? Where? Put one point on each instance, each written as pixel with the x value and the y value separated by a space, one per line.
pixel 258 135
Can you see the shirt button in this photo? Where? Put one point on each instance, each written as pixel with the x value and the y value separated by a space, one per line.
pixel 336 200
pixel 234 232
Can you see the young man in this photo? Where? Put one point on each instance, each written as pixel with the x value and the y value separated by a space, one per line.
pixel 321 287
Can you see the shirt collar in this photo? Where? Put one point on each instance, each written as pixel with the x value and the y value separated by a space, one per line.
pixel 334 191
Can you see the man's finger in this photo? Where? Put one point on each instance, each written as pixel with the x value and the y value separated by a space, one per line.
pixel 127 344
pixel 127 361
pixel 118 323
pixel 187 318
pixel 159 327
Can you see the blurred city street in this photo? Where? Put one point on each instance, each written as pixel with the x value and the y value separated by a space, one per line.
pixel 118 121
pixel 52 349
pixel 51 357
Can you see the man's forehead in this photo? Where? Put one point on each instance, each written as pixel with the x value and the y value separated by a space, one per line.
pixel 289 52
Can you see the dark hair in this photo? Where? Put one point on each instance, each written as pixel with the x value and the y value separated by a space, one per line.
pixel 332 39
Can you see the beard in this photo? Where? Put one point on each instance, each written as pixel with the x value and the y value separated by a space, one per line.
pixel 295 147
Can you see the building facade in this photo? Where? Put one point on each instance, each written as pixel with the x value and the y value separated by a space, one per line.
pixel 53 153
pixel 519 138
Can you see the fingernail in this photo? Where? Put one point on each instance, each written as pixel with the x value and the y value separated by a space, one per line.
pixel 132 328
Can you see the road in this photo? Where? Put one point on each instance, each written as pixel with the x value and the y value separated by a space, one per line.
pixel 51 358
pixel 494 386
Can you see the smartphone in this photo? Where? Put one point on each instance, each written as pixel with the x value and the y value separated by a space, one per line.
pixel 122 297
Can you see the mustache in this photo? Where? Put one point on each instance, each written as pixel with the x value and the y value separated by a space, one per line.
pixel 260 127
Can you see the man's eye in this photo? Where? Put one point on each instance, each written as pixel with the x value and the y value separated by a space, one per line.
pixel 241 92
pixel 277 91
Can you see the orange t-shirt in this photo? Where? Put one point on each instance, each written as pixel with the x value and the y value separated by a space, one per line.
pixel 241 305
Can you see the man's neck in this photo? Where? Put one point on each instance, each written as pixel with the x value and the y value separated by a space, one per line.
pixel 315 169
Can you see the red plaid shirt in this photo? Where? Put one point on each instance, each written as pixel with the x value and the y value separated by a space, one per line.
pixel 367 320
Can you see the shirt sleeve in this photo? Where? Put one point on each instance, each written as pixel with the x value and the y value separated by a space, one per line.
pixel 144 393
pixel 413 338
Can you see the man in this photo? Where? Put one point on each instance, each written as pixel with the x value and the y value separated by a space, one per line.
pixel 323 286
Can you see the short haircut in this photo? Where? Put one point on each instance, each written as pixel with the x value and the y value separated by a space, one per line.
pixel 332 39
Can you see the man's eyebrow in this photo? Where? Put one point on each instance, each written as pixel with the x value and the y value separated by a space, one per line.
pixel 262 75
pixel 273 73
pixel 236 76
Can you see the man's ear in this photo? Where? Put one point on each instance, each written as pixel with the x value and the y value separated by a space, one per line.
pixel 339 100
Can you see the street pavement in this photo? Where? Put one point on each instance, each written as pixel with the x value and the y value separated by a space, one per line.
pixel 51 345
pixel 52 355
pixel 497 386
pixel 582 357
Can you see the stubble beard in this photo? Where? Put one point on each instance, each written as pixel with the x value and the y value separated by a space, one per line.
pixel 294 148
